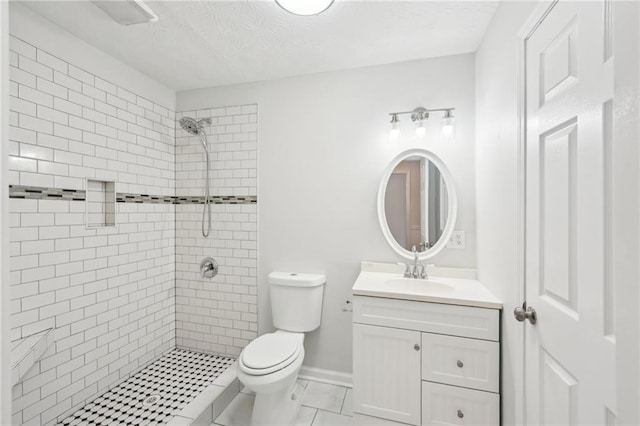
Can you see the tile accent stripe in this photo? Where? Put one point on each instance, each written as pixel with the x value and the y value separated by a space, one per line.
pixel 197 199
pixel 41 193
pixel 218 199
pixel 125 197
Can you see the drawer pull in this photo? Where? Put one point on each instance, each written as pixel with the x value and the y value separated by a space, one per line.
pixel 416 347
pixel 460 364
pixel 460 414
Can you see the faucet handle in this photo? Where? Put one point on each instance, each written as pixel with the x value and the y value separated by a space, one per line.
pixel 407 271
pixel 423 272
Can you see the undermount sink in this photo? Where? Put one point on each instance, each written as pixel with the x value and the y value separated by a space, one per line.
pixel 419 286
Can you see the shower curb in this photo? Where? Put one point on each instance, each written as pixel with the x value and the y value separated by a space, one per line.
pixel 204 409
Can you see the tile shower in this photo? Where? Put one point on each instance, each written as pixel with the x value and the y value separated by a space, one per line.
pixel 218 315
pixel 117 297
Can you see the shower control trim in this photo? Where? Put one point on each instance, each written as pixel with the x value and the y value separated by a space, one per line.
pixel 208 267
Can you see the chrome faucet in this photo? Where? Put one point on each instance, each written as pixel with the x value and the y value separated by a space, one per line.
pixel 415 269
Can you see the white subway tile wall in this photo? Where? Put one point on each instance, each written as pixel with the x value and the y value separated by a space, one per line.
pixel 217 315
pixel 68 125
pixel 233 152
pixel 109 293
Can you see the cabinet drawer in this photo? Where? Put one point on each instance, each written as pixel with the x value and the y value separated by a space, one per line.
pixel 461 362
pixel 464 321
pixel 450 405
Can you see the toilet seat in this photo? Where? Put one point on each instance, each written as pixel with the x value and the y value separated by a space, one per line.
pixel 269 353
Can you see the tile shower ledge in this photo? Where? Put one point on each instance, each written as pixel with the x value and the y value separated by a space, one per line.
pixel 27 351
pixel 210 402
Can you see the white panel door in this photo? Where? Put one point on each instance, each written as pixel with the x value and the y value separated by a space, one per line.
pixel 386 373
pixel 570 351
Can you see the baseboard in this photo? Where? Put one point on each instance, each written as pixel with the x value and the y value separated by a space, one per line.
pixel 326 376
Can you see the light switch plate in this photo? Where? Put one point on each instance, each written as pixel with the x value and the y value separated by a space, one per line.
pixel 457 240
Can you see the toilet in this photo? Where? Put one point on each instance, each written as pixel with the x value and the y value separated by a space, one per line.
pixel 269 365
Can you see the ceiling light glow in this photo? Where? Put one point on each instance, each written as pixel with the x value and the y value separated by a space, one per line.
pixel 305 7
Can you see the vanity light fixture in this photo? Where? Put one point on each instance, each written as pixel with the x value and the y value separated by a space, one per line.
pixel 419 116
pixel 305 7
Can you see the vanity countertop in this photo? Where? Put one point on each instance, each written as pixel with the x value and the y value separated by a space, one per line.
pixel 452 290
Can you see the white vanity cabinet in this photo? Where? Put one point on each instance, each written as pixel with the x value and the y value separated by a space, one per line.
pixel 387 364
pixel 426 363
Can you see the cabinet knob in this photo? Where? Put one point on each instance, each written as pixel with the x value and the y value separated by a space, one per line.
pixel 460 364
pixel 460 414
pixel 416 347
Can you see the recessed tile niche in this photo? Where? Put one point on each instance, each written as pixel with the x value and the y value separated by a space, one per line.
pixel 100 203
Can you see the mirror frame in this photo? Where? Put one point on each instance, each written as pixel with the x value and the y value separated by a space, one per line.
pixel 451 195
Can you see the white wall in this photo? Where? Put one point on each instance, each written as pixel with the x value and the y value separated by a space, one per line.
pixel 497 198
pixel 5 351
pixel 497 182
pixel 322 150
pixel 626 207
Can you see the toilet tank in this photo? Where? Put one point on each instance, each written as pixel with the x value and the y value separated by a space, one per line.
pixel 296 300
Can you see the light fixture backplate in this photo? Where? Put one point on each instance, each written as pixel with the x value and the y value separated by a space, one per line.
pixel 419 114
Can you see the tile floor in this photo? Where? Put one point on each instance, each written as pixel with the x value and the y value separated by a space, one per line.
pixel 322 405
pixel 156 393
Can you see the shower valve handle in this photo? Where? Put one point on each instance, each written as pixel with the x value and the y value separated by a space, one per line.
pixel 208 267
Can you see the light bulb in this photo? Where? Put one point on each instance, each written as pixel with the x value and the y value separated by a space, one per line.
pixel 448 124
pixel 305 7
pixel 419 116
pixel 394 132
pixel 447 130
pixel 421 131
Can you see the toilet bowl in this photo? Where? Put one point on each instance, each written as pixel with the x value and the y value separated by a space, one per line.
pixel 269 365
pixel 271 362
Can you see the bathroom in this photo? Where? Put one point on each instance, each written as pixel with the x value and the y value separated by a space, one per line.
pixel 299 150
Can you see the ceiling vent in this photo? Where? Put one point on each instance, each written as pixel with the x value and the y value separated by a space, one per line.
pixel 127 12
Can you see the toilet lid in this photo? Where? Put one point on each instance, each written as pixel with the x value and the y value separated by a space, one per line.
pixel 269 350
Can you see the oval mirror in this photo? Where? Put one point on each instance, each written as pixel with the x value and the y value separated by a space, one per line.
pixel 417 204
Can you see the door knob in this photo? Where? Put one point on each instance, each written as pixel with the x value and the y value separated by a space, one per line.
pixel 416 347
pixel 524 312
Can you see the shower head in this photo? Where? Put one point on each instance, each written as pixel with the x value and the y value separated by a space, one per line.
pixel 192 126
pixel 196 128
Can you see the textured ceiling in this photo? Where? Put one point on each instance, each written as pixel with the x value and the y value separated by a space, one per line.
pixel 211 43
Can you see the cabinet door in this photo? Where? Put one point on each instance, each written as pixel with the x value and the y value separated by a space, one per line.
pixel 386 373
